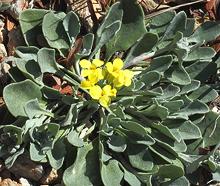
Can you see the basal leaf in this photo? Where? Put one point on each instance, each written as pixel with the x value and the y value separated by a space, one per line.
pixel 55 33
pixel 111 173
pixel 20 93
pixel 84 170
pixel 31 24
pixel 133 21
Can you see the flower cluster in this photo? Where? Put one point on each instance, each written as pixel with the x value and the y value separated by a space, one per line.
pixel 103 80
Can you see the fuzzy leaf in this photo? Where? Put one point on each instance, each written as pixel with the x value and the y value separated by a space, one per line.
pixel 177 74
pixel 46 60
pixel 72 26
pixel 144 45
pixel 206 32
pixel 133 21
pixel 20 93
pixel 84 170
pixel 111 174
pixel 55 33
pixel 160 64
pixel 139 157
pixel 31 24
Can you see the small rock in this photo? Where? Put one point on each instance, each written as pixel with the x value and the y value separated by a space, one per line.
pixel 24 182
pixel 9 182
pixel 26 168
pixel 49 177
pixel 3 52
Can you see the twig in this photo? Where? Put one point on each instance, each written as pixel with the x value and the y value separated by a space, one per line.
pixel 173 8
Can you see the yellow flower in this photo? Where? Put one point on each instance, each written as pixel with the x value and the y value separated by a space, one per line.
pixel 86 84
pixel 92 71
pixel 115 67
pixel 123 79
pixel 103 94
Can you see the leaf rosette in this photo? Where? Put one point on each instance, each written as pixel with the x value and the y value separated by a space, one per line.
pixel 137 119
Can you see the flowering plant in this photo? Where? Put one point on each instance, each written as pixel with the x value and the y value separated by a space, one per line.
pixel 140 119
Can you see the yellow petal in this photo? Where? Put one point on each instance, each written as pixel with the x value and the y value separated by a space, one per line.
pixel 97 62
pixel 93 77
pixel 84 63
pixel 106 90
pixel 127 82
pixel 109 67
pixel 128 73
pixel 86 84
pixel 99 73
pixel 121 76
pixel 117 83
pixel 85 72
pixel 95 92
pixel 118 64
pixel 105 101
pixel 113 92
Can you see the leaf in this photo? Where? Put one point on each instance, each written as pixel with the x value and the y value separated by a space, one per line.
pixel 150 78
pixel 173 106
pixel 194 85
pixel 177 24
pixel 144 45
pixel 205 94
pixel 137 138
pixel 170 171
pixel 107 34
pixel 156 110
pixel 134 127
pixel 201 53
pixel 196 107
pixel 20 93
pixel 117 143
pixel 139 157
pixel 33 109
pixel 31 24
pixel 57 154
pixel 159 23
pixel 71 25
pixel 190 27
pixel 87 46
pixel 30 69
pixel 84 170
pixel 111 174
pixel 169 92
pixel 114 14
pixel 13 131
pixel 74 139
pixel 46 60
pixel 201 70
pixel 179 181
pixel 13 157
pixel 55 33
pixel 189 130
pixel 160 64
pixel 177 74
pixel 209 127
pixel 27 53
pixel 206 32
pixel 72 116
pixel 132 20
pixel 36 154
pixel 131 179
